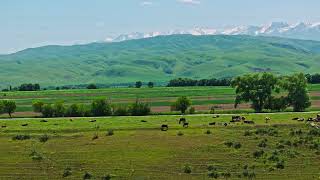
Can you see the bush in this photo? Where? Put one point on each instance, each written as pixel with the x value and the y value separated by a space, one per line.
pixel 47 110
pixel 110 132
pixel 187 169
pixel 258 154
pixel 67 172
pixel 263 143
pixel 101 107
pixel 44 138
pixel 87 175
pixel 208 132
pixel 21 137
pixel 139 109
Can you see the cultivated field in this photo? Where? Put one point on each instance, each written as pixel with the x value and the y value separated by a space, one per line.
pixel 280 149
pixel 160 98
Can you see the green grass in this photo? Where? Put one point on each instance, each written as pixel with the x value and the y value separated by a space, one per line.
pixel 159 97
pixel 139 150
pixel 158 59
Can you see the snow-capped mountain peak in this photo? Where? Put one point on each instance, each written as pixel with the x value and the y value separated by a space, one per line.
pixel 301 30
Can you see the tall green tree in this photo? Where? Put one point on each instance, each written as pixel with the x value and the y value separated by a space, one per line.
pixel 101 107
pixel 59 109
pixel 37 106
pixel 182 104
pixel 255 88
pixel 298 96
pixel 150 84
pixel 9 107
pixel 138 84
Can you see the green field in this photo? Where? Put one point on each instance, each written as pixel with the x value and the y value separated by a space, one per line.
pixel 158 59
pixel 160 98
pixel 139 150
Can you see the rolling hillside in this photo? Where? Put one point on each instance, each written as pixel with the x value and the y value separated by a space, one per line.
pixel 158 59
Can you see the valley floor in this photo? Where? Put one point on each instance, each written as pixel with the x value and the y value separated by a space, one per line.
pixel 136 148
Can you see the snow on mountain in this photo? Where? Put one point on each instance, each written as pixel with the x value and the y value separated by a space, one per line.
pixel 308 31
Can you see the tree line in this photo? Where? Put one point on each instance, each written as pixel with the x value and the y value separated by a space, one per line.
pixel 270 92
pixel 313 78
pixel 181 82
pixel 100 107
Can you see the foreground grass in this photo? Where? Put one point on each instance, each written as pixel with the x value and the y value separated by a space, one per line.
pixel 139 150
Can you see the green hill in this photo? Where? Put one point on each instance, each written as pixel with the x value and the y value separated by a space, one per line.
pixel 158 59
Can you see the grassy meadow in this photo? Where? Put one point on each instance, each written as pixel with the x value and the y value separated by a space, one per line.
pixel 139 150
pixel 160 98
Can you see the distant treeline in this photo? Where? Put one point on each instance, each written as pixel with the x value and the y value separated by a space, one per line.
pixel 313 78
pixel 180 82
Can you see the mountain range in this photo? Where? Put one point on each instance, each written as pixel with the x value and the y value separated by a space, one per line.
pixel 159 59
pixel 306 31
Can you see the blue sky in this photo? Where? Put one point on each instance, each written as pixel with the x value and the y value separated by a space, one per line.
pixel 32 23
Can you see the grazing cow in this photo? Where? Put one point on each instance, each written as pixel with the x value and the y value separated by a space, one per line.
pixel 236 118
pixel 212 124
pixel 93 120
pixel 216 116
pixel 301 119
pixel 43 120
pixel 71 120
pixel 164 127
pixel 185 124
pixel 3 126
pixel 24 125
pixel 225 124
pixel 296 118
pixel 243 118
pixel 143 121
pixel 182 120
pixel 248 122
pixel 310 119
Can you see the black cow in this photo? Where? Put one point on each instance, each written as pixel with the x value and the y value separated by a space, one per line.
pixel 185 124
pixel 182 120
pixel 212 123
pixel 164 127
pixel 24 125
pixel 93 120
pixel 43 120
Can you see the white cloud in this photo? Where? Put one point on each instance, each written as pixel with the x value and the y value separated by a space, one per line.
pixel 146 3
pixel 192 2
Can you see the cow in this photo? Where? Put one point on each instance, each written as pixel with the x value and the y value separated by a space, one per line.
pixel 267 119
pixel 216 116
pixel 143 121
pixel 3 126
pixel 164 127
pixel 212 123
pixel 301 119
pixel 93 120
pixel 182 120
pixel 225 124
pixel 185 124
pixel 248 122
pixel 296 118
pixel 43 120
pixel 24 125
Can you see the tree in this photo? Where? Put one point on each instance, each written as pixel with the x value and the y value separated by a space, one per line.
pixel 182 104
pixel 74 111
pixel 37 106
pixel 47 110
pixel 255 88
pixel 101 107
pixel 150 84
pixel 298 96
pixel 138 84
pixel 92 86
pixel 139 108
pixel 58 109
pixel 9 107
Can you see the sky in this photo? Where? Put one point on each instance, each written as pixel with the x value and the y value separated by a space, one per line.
pixel 34 23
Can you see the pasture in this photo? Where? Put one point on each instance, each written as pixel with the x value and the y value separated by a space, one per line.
pixel 160 98
pixel 136 148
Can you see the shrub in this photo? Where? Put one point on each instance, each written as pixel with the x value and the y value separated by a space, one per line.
pixel 58 109
pixel 36 156
pixel 67 172
pixel 44 138
pixel 280 164
pixel 47 110
pixel 237 145
pixel 263 143
pixel 187 169
pixel 258 153
pixel 87 175
pixel 110 132
pixel 21 137
pixel 208 132
pixel 180 133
